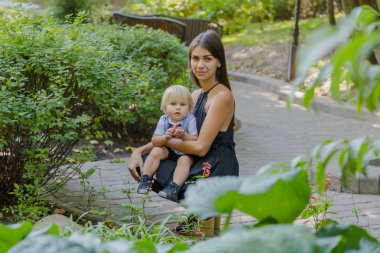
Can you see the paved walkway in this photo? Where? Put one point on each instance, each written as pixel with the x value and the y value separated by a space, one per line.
pixel 8 3
pixel 268 133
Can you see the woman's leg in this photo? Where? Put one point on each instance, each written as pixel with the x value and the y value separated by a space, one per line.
pixel 182 169
pixel 153 160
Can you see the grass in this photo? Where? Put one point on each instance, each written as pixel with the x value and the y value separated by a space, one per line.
pixel 279 31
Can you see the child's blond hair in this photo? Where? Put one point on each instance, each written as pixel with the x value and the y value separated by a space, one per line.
pixel 179 93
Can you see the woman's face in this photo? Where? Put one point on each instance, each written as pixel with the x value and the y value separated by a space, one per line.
pixel 203 64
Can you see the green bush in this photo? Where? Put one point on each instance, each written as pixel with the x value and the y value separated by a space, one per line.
pixel 283 9
pixel 62 8
pixel 61 83
pixel 233 15
pixel 153 60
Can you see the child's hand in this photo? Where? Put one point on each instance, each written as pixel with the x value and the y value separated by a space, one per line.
pixel 170 133
pixel 180 133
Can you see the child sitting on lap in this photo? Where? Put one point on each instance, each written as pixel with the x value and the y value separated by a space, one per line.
pixel 177 122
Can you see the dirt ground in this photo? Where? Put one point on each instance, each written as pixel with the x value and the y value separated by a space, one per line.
pixel 272 61
pixel 265 60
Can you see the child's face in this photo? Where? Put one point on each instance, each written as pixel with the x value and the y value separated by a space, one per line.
pixel 177 109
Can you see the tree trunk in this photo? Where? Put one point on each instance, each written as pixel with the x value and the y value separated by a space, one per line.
pixel 348 5
pixel 372 3
pixel 330 12
pixel 294 44
pixel 338 5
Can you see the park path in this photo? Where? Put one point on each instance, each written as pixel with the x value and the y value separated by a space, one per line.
pixel 9 3
pixel 268 133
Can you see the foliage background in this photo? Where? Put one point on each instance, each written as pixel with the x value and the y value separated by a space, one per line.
pixel 30 101
pixel 233 15
pixel 62 83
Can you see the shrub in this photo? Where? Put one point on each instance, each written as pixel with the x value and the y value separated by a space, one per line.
pixel 153 61
pixel 38 128
pixel 61 83
pixel 283 9
pixel 62 8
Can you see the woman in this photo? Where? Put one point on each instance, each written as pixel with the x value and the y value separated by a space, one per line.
pixel 214 112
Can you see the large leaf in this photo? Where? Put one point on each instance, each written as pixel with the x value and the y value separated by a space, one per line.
pixel 322 42
pixel 200 198
pixel 337 238
pixel 366 245
pixel 10 235
pixel 89 243
pixel 356 157
pixel 281 196
pixel 321 155
pixel 271 239
pixel 351 43
pixel 53 229
pixel 309 92
pixel 49 244
pixel 373 74
pixel 353 57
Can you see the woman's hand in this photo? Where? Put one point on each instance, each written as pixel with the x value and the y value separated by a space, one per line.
pixel 136 164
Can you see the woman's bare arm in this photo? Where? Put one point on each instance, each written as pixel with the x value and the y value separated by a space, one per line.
pixel 189 137
pixel 219 111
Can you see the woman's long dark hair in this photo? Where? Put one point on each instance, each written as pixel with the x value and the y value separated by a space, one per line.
pixel 211 41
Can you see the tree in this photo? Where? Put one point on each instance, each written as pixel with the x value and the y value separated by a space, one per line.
pixel 294 44
pixel 330 12
pixel 348 5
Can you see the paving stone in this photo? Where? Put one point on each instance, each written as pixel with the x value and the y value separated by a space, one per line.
pixel 369 185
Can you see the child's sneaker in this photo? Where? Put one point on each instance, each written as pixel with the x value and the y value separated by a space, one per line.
pixel 144 185
pixel 170 192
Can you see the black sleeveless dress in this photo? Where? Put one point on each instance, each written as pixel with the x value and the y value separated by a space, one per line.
pixel 221 156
